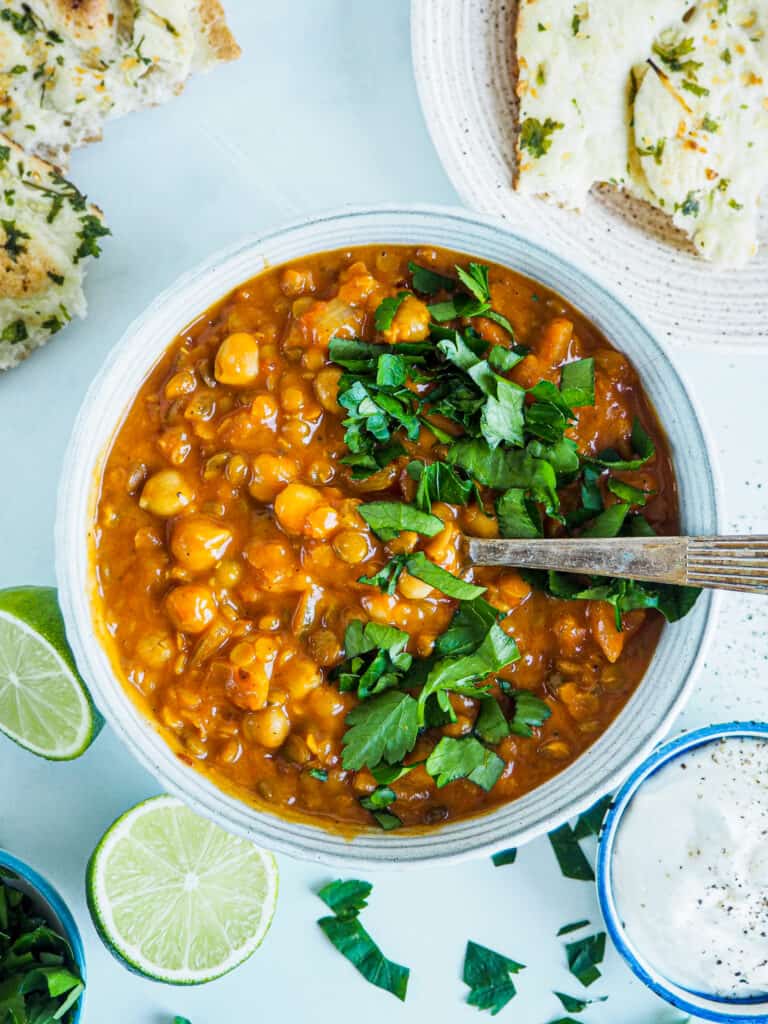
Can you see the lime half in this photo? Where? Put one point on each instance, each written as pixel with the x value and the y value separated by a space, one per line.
pixel 44 705
pixel 177 898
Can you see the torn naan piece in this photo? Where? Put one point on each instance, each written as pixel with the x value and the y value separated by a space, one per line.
pixel 574 88
pixel 700 126
pixel 67 66
pixel 48 234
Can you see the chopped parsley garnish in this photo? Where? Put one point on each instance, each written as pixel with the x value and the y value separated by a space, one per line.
pixel 536 136
pixel 429 282
pixel 531 712
pixel 487 974
pixel 695 88
pixel 571 1004
pixel 319 773
pixel 91 230
pixel 570 855
pixel 672 54
pixel 39 980
pixel 346 899
pixel 15 332
pixel 383 728
pixel 385 314
pixel 656 151
pixel 591 821
pixel 574 926
pixel 56 278
pixel 504 857
pixel 464 758
pixel 734 205
pixel 388 519
pixel 376 659
pixel 14 237
pixel 583 957
pixel 708 124
pixel 725 56
pixel 181 1020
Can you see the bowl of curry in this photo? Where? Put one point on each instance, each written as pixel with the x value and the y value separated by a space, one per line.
pixel 261 538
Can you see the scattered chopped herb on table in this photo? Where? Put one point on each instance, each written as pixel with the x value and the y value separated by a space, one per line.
pixel 570 855
pixel 574 926
pixel 583 957
pixel 504 857
pixel 572 1004
pixel 346 899
pixel 39 980
pixel 487 974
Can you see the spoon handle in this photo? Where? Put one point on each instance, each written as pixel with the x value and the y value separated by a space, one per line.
pixel 725 563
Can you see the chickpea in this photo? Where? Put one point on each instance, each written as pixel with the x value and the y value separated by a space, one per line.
pixel 155 650
pixel 327 388
pixel 237 470
pixel 268 728
pixel 293 399
pixel 412 588
pixel 325 647
pixel 300 676
pixel 293 504
pixel 237 360
pixel 228 573
pixel 269 474
pixel 190 607
pixel 351 546
pixel 321 522
pixel 321 471
pixel 411 322
pixel 180 384
pixel 166 493
pixel 295 281
pixel 478 524
pixel 247 687
pixel 199 542
pixel 264 410
pixel 512 589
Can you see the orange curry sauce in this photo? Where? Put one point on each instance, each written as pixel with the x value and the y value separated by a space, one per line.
pixel 228 546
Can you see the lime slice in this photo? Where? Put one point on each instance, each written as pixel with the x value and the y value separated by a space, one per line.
pixel 44 705
pixel 177 898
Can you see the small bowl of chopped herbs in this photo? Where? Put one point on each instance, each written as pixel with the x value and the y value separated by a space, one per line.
pixel 42 961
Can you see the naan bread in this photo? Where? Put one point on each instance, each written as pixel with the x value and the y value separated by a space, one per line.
pixel 48 233
pixel 66 66
pixel 700 127
pixel 574 79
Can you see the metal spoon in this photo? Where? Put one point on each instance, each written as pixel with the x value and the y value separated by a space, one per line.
pixel 725 563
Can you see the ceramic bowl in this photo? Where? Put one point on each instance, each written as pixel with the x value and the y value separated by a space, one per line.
pixel 643 720
pixel 703 1007
pixel 50 906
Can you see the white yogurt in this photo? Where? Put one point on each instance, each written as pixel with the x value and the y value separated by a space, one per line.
pixel 690 869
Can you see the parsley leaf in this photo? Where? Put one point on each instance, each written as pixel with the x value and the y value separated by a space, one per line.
pixel 574 926
pixel 487 974
pixel 583 957
pixel 591 821
pixel 504 857
pixel 464 758
pixel 491 724
pixel 536 136
pixel 423 569
pixel 383 728
pixel 181 1020
pixel 388 518
pixel 376 659
pixel 642 443
pixel 388 576
pixel 530 712
pixel 518 515
pixel 387 309
pixel 351 939
pixel 468 628
pixel 608 523
pixel 577 383
pixel 573 1005
pixel 429 282
pixel 570 855
pixel 438 481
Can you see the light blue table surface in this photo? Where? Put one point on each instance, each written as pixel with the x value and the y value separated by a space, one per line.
pixel 321 111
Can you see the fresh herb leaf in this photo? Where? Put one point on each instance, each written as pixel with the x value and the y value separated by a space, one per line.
pixel 388 519
pixel 695 88
pixel 518 515
pixel 353 941
pixel 464 758
pixel 468 628
pixel 14 332
pixel 319 773
pixel 437 481
pixel 577 383
pixel 536 136
pixel 387 578
pixel 181 1020
pixel 570 856
pixel 14 236
pixel 429 282
pixel 491 724
pixel 530 712
pixel 346 898
pixel 376 659
pixel 387 309
pixel 574 926
pixel 504 857
pixel 708 124
pixel 690 207
pixel 91 230
pixel 627 493
pixel 505 359
pixel 608 523
pixel 573 1005
pixel 383 728
pixel 583 957
pixel 487 974
pixel 642 443
pixel 423 569
pixel 591 821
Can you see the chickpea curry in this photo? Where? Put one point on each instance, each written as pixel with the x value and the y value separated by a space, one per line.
pixel 280 555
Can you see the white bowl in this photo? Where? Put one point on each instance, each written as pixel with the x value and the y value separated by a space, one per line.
pixel 644 719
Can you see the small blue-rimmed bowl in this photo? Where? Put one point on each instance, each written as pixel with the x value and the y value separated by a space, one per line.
pixel 706 1007
pixel 51 906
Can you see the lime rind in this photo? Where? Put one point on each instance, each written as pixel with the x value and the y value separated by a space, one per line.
pixel 177 899
pixel 44 704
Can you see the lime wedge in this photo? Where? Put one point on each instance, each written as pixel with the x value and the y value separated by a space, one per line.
pixel 177 898
pixel 44 705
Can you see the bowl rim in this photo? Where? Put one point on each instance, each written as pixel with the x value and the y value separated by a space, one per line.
pixel 664 755
pixel 316 842
pixel 51 897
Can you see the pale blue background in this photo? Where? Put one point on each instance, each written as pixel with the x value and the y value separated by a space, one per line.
pixel 321 111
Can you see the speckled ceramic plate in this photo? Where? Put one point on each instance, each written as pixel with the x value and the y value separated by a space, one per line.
pixel 463 55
